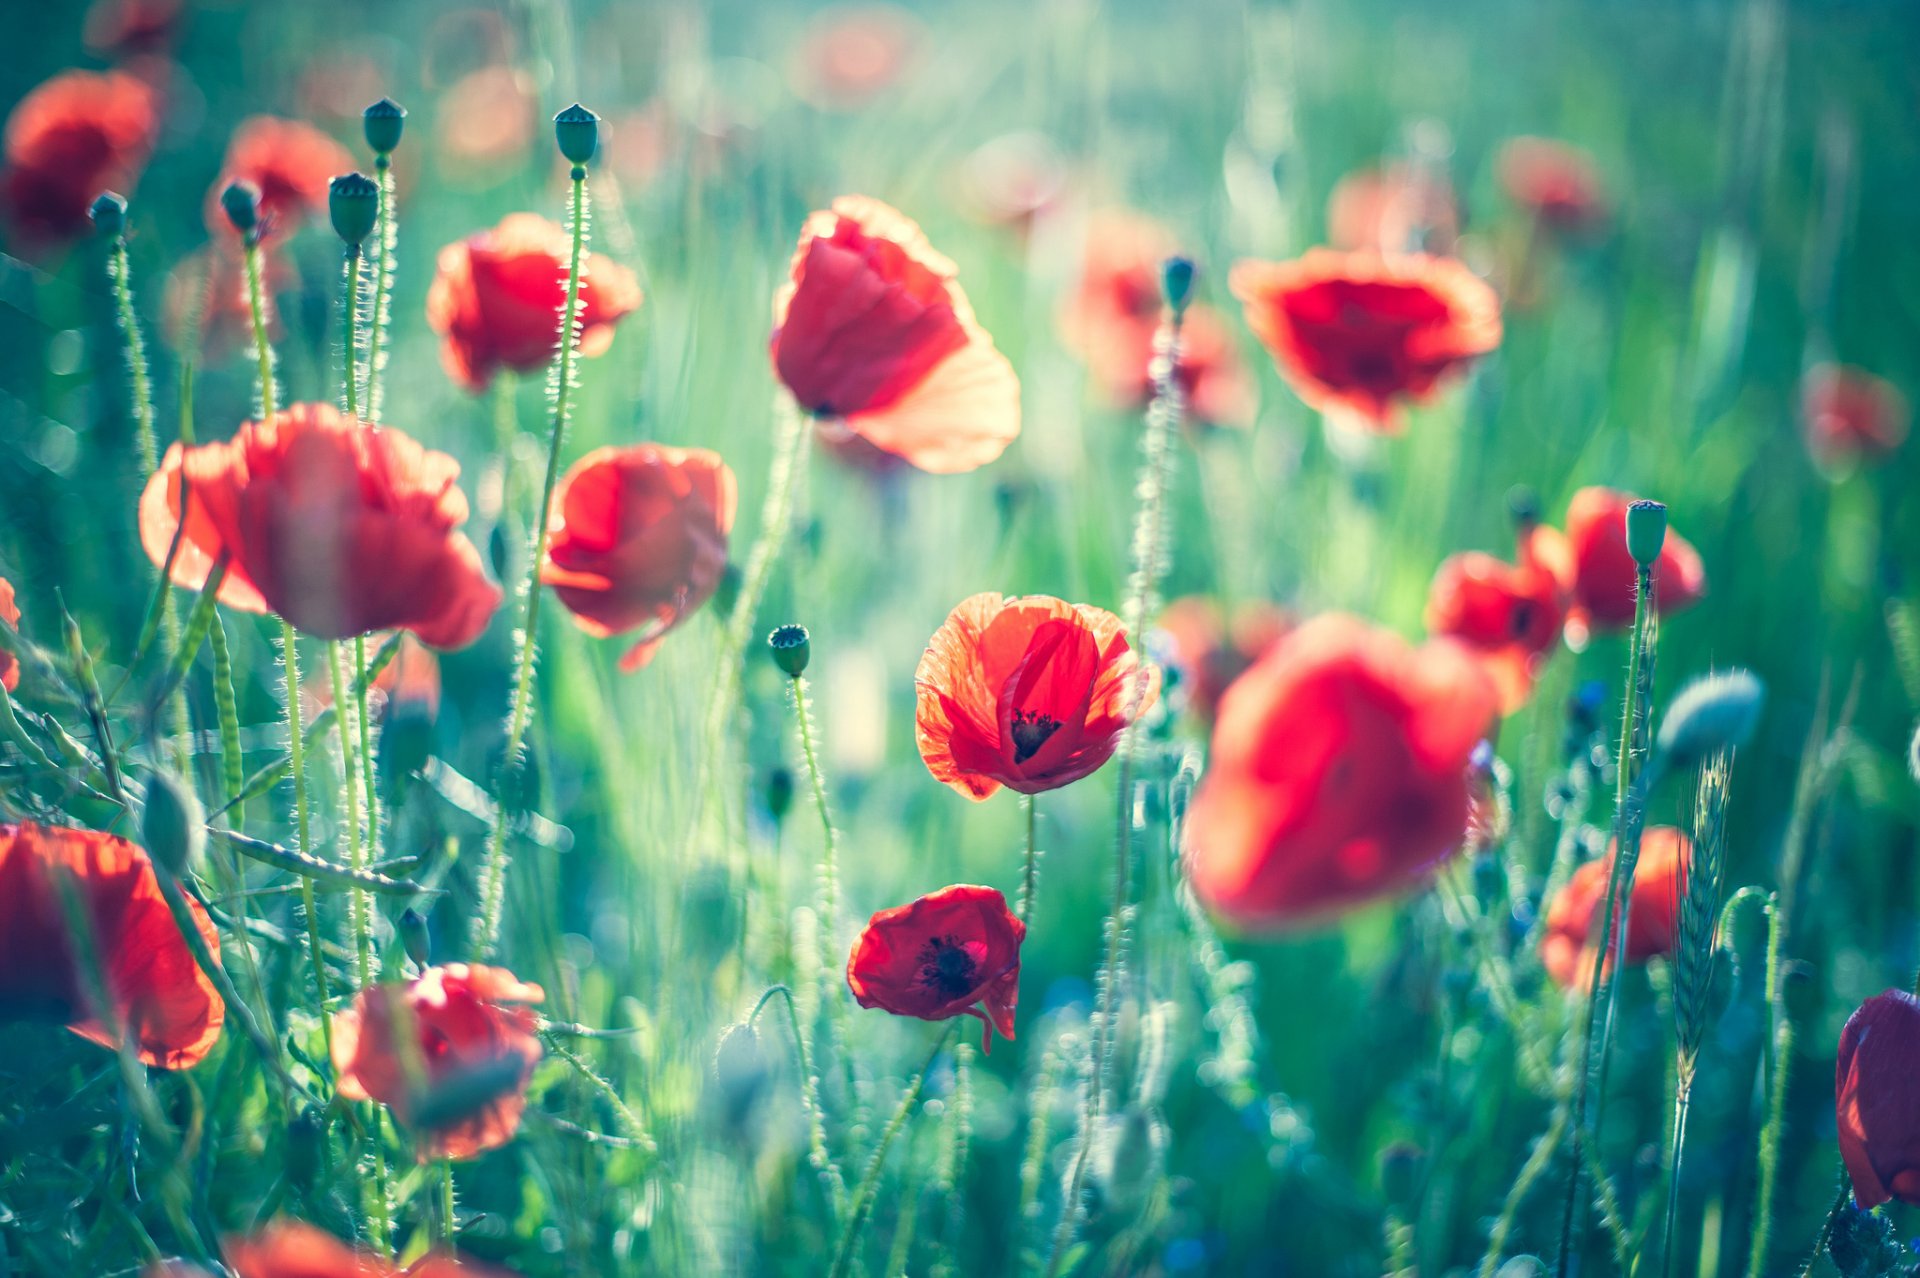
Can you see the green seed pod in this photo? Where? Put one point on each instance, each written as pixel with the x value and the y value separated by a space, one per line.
pixel 353 202
pixel 578 132
pixel 790 649
pixel 414 936
pixel 1646 531
pixel 383 122
pixel 109 214
pixel 1176 282
pixel 173 824
pixel 241 200
pixel 1524 505
pixel 1716 712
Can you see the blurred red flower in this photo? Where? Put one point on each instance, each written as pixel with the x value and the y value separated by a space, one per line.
pixel 9 663
pixel 460 1085
pixel 487 119
pixel 873 329
pixel 851 54
pixel 1211 650
pixel 69 139
pixel 951 953
pixel 411 676
pixel 1338 772
pixel 1555 182
pixel 1604 570
pixel 1849 415
pixel 498 296
pixel 205 309
pixel 638 539
pixel 1030 693
pixel 338 526
pixel 132 28
pixel 1011 180
pixel 1397 208
pixel 1876 1105
pixel 165 1004
pixel 290 161
pixel 1659 879
pixel 1509 615
pixel 1359 333
pixel 293 1249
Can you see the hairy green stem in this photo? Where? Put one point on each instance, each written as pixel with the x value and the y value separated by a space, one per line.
pixel 290 659
pixel 359 904
pixel 386 233
pixel 1774 1130
pixel 870 1182
pixel 1030 877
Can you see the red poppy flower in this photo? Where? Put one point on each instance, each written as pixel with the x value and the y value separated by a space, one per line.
pixel 9 663
pixel 487 119
pixel 951 953
pixel 872 328
pixel 1030 693
pixel 1849 415
pixel 1659 879
pixel 461 1085
pixel 1211 650
pixel 638 540
pixel 292 1249
pixel 497 299
pixel 1338 772
pixel 340 527
pixel 76 135
pixel 851 54
pixel 1510 615
pixel 166 1005
pixel 206 311
pixel 1604 570
pixel 1875 1102
pixel 132 28
pixel 1555 182
pixel 1360 333
pixel 290 161
pixel 1397 208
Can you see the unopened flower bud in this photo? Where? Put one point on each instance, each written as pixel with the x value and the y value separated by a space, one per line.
pixel 578 132
pixel 726 592
pixel 1717 712
pixel 109 214
pixel 779 793
pixel 173 825
pixel 1176 282
pixel 353 202
pixel 383 122
pixel 306 1135
pixel 241 200
pixel 1401 1165
pixel 1522 1267
pixel 1524 505
pixel 415 937
pixel 1646 531
pixel 1799 991
pixel 790 649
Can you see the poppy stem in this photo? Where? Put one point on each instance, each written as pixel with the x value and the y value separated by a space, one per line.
pixel 1531 1171
pixel 350 375
pixel 257 312
pixel 386 235
pixel 296 753
pixel 226 707
pixel 493 872
pixel 1779 1074
pixel 870 1182
pixel 446 1202
pixel 359 904
pixel 1030 880
pixel 367 780
pixel 818 1155
pixel 828 885
pixel 1840 1200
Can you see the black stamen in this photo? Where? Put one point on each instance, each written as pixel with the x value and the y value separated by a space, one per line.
pixel 1030 731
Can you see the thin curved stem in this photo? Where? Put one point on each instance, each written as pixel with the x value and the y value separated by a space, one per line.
pixel 818 1155
pixel 870 1182
pixel 1030 877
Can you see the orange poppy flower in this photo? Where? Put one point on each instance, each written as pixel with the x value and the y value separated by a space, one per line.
pixel 497 299
pixel 1362 333
pixel 873 329
pixel 1555 182
pixel 290 161
pixel 338 526
pixel 1396 208
pixel 1876 1107
pixel 1510 615
pixel 1030 693
pixel 460 1085
pixel 1339 773
pixel 1849 415
pixel 638 540
pixel 9 663
pixel 1604 570
pixel 951 953
pixel 1659 880
pixel 1211 650
pixel 69 139
pixel 165 1004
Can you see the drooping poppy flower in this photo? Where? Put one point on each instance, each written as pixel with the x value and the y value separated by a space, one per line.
pixel 206 312
pixel 1211 650
pixel 497 299
pixel 1876 1105
pixel 9 663
pixel 290 161
pixel 851 54
pixel 1031 693
pixel 1849 415
pixel 131 28
pixel 165 1004
pixel 1604 572
pixel 1509 615
pixel 1360 334
pixel 474 1048
pixel 955 952
pixel 1397 208
pixel 873 329
pixel 1339 773
pixel 338 526
pixel 1659 880
pixel 1555 182
pixel 638 540
pixel 69 139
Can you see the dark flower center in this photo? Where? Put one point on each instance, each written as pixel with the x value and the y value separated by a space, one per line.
pixel 1522 623
pixel 1030 731
pixel 947 967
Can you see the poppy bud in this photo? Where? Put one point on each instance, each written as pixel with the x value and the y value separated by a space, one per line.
pixel 241 200
pixel 1489 878
pixel 1176 282
pixel 353 201
pixel 1716 712
pixel 406 738
pixel 414 936
pixel 1749 918
pixel 1401 1165
pixel 1524 505
pixel 790 649
pixel 726 591
pixel 1522 1267
pixel 1799 992
pixel 739 1072
pixel 578 132
pixel 1646 531
pixel 779 793
pixel 109 214
pixel 384 121
pixel 173 825
pixel 306 1135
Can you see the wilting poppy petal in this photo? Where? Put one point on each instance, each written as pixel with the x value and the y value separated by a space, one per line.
pixel 290 161
pixel 1604 570
pixel 953 952
pixel 638 539
pixel 69 139
pixel 1849 415
pixel 497 299
pixel 1659 880
pixel 163 1001
pixel 1030 693
pixel 450 1052
pixel 1338 772
pixel 1876 1105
